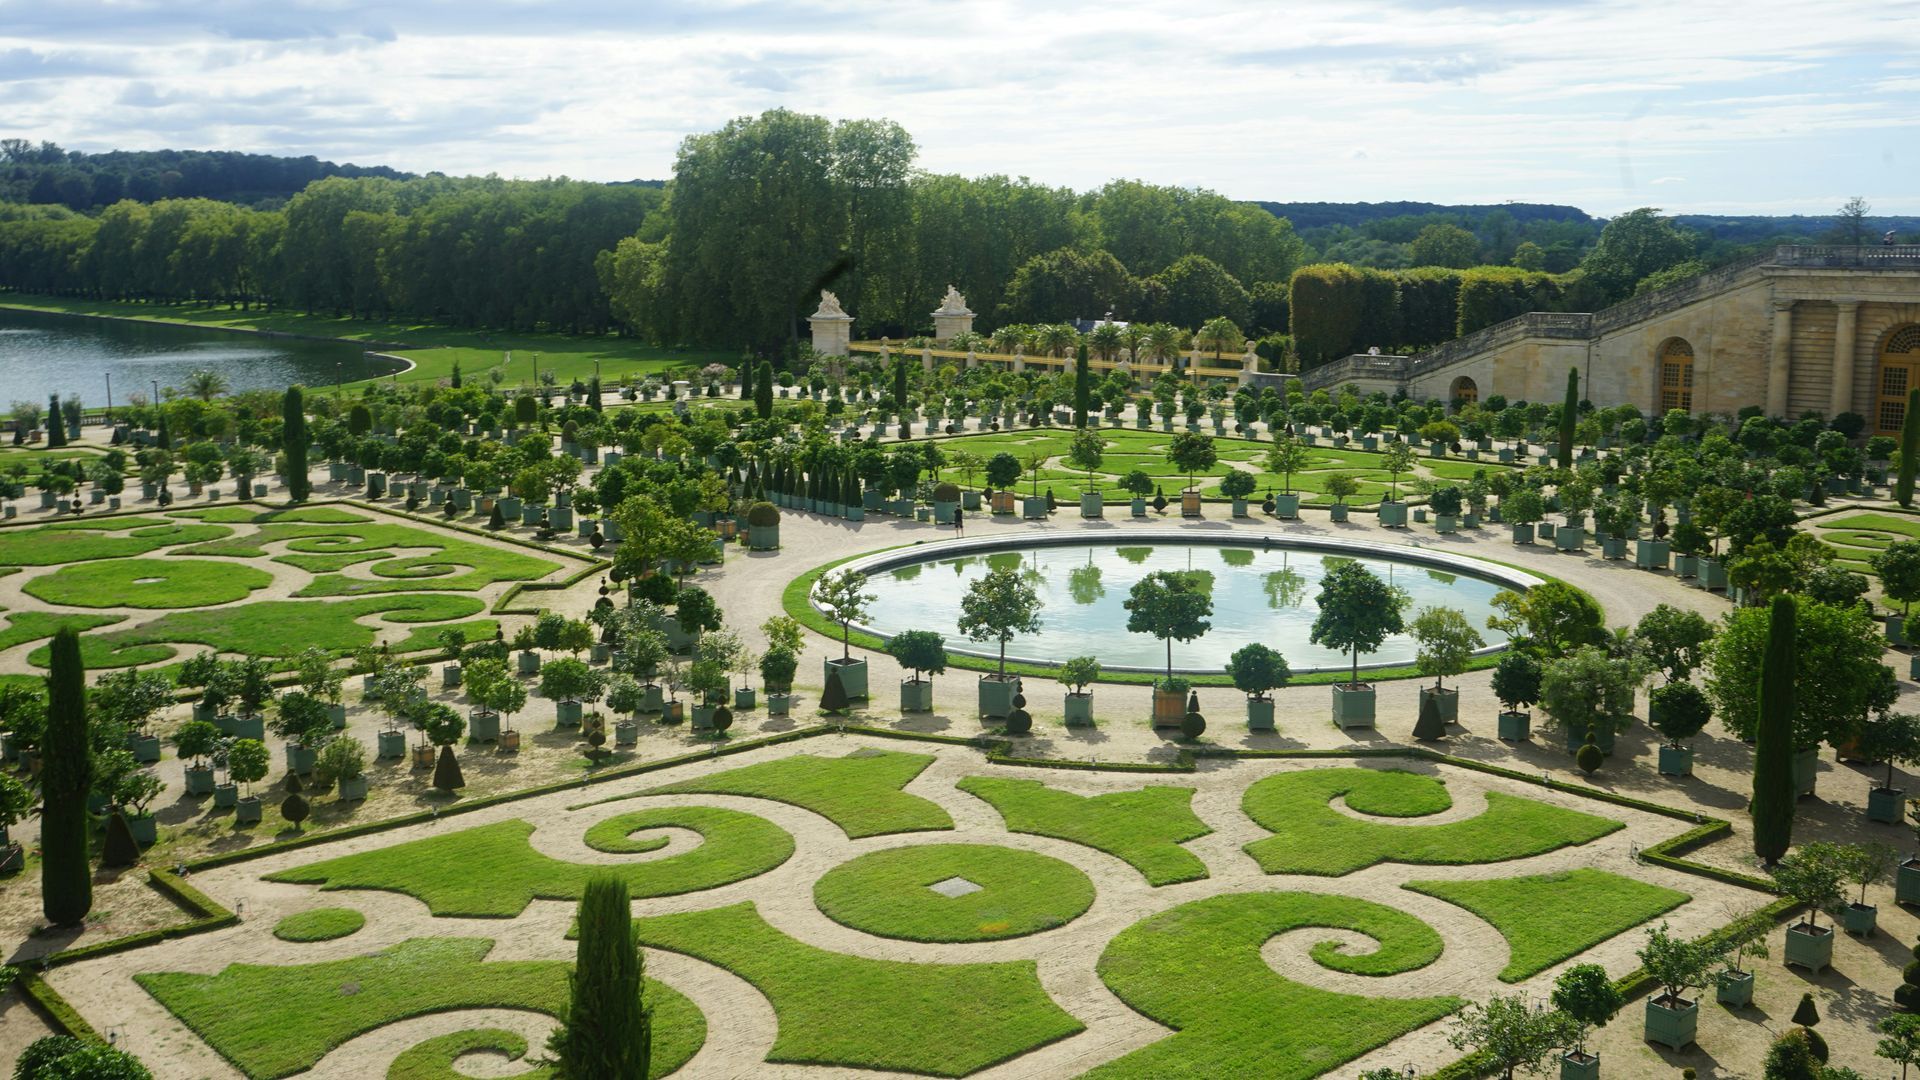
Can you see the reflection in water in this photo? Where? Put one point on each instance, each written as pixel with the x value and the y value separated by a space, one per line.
pixel 1264 595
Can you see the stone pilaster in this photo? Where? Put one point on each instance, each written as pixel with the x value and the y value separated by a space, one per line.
pixel 1779 364
pixel 1847 321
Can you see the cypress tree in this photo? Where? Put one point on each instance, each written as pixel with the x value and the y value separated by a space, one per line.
pixel 454 381
pixel 900 385
pixel 293 440
pixel 56 424
pixel 1082 386
pixel 607 1030
pixel 1909 449
pixel 593 394
pixel 1773 794
pixel 1569 414
pixel 763 391
pixel 66 881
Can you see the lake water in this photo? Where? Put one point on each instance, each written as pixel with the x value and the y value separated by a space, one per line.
pixel 1263 594
pixel 42 354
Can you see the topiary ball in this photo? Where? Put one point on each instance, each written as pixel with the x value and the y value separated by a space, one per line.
pixel 1019 722
pixel 1193 725
pixel 763 514
pixel 1019 701
pixel 1907 996
pixel 1589 759
pixel 1816 1044
pixel 946 493
pixel 722 718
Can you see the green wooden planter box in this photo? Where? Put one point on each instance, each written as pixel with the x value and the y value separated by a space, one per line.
pixel 243 727
pixel 1886 805
pixel 529 663
pixel 1860 919
pixel 449 676
pixel 351 788
pixel 853 676
pixel 777 704
pixel 1569 537
pixel 1516 726
pixel 1673 1028
pixel 483 727
pixel 970 500
pixel 943 512
pixel 1651 554
pixel 1259 714
pixel 743 698
pixel 1713 574
pixel 1543 530
pixel 996 696
pixel 1809 947
pixel 1288 506
pixel 626 733
pixel 1733 989
pixel 1393 514
pixel 391 744
pixel 226 796
pixel 1139 508
pixel 1676 761
pixel 300 759
pixel 1353 706
pixel 1522 534
pixel 145 748
pixel 247 811
pixel 651 697
pixel 1338 512
pixel 763 537
pixel 1575 1065
pixel 1078 710
pixel 337 714
pixel 703 716
pixel 1805 771
pixel 1447 700
pixel 1092 505
pixel 1613 547
pixel 199 781
pixel 566 713
pixel 1445 524
pixel 916 695
pixel 1033 507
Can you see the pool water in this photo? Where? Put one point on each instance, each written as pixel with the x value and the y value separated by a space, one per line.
pixel 1263 594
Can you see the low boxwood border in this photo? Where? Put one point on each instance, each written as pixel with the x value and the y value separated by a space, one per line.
pixel 796 601
pixel 998 750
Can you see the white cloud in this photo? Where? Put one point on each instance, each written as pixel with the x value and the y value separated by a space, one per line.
pixel 1377 99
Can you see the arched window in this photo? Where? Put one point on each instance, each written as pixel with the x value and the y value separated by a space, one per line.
pixel 1899 372
pixel 1465 392
pixel 1676 376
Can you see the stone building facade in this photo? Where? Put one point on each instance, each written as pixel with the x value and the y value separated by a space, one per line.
pixel 1794 330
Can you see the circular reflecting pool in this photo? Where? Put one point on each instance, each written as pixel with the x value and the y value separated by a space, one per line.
pixel 1261 592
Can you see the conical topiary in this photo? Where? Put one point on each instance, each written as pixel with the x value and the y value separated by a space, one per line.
pixel 497 519
pixel 120 848
pixel 1430 727
pixel 833 699
pixel 446 772
pixel 1589 758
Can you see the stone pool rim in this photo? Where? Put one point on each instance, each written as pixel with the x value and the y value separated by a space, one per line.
pixel 1506 577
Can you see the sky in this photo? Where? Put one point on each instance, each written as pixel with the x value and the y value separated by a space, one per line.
pixel 1691 105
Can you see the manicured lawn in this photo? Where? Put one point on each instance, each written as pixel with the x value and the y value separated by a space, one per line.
pixel 25 626
pixel 1310 837
pixel 860 792
pixel 247 515
pixel 274 1021
pixel 148 583
pixel 492 870
pixel 324 549
pixel 434 348
pixel 890 893
pixel 320 924
pixel 854 1013
pixel 1198 969
pixel 1550 917
pixel 1145 827
pixel 99 538
pixel 270 628
pixel 1858 537
pixel 435 1058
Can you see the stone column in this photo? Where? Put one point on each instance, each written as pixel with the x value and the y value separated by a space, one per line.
pixel 1780 362
pixel 1847 318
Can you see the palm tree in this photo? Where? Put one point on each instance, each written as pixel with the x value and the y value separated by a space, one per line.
pixel 1163 341
pixel 1221 333
pixel 1057 338
pixel 1105 340
pixel 206 384
pixel 1133 336
pixel 1008 338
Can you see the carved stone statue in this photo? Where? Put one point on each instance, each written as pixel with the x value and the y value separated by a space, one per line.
pixel 953 303
pixel 829 307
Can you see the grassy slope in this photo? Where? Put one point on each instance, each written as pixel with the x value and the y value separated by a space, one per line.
pixel 1310 837
pixel 861 792
pixel 1550 917
pixel 887 893
pixel 492 870
pixel 848 1011
pixel 1198 969
pixel 1145 827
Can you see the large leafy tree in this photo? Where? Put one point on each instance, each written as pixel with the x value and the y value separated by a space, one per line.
pixel 1632 246
pixel 1171 606
pixel 1838 653
pixel 1357 612
pixel 998 607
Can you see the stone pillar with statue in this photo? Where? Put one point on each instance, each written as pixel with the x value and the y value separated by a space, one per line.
pixel 1249 364
pixel 952 318
pixel 832 327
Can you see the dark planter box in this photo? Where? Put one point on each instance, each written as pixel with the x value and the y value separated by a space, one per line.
pixel 853 676
pixel 1353 706
pixel 300 759
pixel 916 695
pixel 1860 919
pixel 1522 534
pixel 1337 512
pixel 1809 946
pixel 1906 882
pixel 743 699
pixel 1602 737
pixel 1733 989
pixel 247 811
pixel 1516 726
pixel 1447 700
pixel 1078 710
pixel 145 829
pixel 483 727
pixel 1805 771
pixel 995 694
pixel 225 796
pixel 1672 1026
pixel 777 704
pixel 199 781
pixel 391 744
pixel 566 714
pixel 1575 1065
pixel 449 676
pixel 352 789
pixel 1259 714
pixel 1286 506
pixel 1886 805
pixel 529 663
pixel 146 748
pixel 1393 514
pixel 1676 761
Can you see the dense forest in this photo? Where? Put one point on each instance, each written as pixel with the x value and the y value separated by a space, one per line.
pixel 45 173
pixel 765 212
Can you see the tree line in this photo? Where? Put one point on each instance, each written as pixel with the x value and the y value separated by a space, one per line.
pixel 47 173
